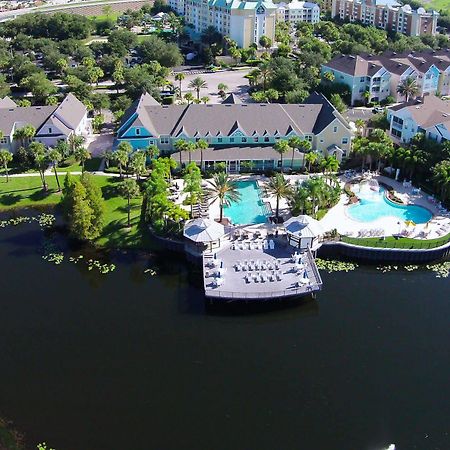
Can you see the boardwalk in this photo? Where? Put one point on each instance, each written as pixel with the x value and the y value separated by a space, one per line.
pixel 263 273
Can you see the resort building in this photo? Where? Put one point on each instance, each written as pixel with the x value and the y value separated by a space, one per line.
pixel 388 15
pixel 380 75
pixel 52 123
pixel 298 11
pixel 237 132
pixel 430 116
pixel 243 21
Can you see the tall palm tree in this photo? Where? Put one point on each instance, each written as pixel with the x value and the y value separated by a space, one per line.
pixel 191 148
pixel 278 187
pixel 441 178
pixel 408 88
pixel 39 153
pixel 282 147
pixel 181 146
pixel 224 189
pixel 55 158
pixel 298 200
pixel 315 187
pixel 294 142
pixel 198 83
pixel 180 76
pixel 152 151
pixel 329 164
pixel 265 71
pixel 311 158
pixel 202 145
pixel 360 124
pixel 5 158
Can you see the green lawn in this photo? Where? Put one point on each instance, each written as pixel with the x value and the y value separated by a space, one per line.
pixel 22 192
pixel 91 165
pixel 393 242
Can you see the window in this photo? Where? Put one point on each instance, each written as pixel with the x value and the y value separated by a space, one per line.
pixel 344 140
pixel 164 140
pixel 395 132
pixel 334 129
pixel 219 139
pixel 266 139
pixel 231 139
pixel 362 79
pixel 4 140
pixel 138 131
pixel 244 139
pixel 50 130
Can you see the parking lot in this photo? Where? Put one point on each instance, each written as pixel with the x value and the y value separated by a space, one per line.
pixel 234 79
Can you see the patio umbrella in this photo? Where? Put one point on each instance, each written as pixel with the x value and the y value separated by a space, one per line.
pixel 410 223
pixel 203 230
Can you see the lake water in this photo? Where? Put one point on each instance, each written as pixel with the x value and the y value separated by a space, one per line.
pixel 130 361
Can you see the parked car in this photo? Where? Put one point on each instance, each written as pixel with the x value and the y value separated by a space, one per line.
pixel 378 109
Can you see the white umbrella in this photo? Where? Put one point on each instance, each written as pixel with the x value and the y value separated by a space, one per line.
pixel 203 230
pixel 304 226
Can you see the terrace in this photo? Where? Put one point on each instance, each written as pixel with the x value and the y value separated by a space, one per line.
pixel 262 269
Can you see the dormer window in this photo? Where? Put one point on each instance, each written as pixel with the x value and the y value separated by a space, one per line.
pixel 138 131
pixel 50 130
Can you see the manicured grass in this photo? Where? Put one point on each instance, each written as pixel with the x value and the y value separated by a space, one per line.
pixel 23 192
pixel 401 242
pixel 91 165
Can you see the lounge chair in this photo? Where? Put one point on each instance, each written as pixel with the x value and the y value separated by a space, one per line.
pixel 271 244
pixel 265 245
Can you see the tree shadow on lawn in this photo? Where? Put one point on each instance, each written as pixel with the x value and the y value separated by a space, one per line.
pixel 10 199
pixel 117 235
pixel 124 208
pixel 41 194
pixel 110 191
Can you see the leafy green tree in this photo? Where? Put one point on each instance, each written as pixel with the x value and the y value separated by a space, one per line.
pixel 75 142
pixel 181 146
pixel 40 86
pixel 55 158
pixel 265 42
pixel 311 158
pixel 95 201
pixel 155 49
pixel 441 178
pixel 24 135
pixel 278 187
pixel 189 97
pixel 81 215
pixel 224 189
pixel 128 189
pixel 299 200
pixel 338 103
pixel 118 76
pixel 5 158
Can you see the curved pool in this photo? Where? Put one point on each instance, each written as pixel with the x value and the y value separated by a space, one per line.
pixel 375 205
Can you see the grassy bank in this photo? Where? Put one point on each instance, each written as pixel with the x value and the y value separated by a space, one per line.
pixel 23 192
pixel 400 243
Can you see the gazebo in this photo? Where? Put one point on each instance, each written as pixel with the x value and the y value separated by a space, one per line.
pixel 203 233
pixel 303 232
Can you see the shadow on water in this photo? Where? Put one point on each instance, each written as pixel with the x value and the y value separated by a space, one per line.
pixel 303 307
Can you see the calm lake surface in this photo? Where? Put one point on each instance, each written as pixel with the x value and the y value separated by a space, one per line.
pixel 127 361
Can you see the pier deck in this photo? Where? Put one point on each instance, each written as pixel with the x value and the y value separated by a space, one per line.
pixel 276 276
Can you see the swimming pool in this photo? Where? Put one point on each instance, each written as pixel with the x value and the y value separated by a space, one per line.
pixel 250 209
pixel 375 205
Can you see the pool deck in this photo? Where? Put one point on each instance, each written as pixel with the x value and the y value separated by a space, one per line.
pixel 337 217
pixel 277 277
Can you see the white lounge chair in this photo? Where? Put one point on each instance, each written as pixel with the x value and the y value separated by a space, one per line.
pixel 265 245
pixel 271 244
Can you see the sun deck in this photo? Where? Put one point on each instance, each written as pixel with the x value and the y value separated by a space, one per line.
pixel 259 273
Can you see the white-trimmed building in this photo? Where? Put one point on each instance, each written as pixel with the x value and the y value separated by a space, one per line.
pixel 244 22
pixel 298 11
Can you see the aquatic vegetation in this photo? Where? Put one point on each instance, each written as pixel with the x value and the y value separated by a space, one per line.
pixel 102 268
pixel 76 259
pixel 441 270
pixel 55 258
pixel 150 271
pixel 335 266
pixel 44 220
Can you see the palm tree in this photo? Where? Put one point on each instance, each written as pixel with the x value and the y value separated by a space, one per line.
pixel 152 151
pixel 128 189
pixel 198 83
pixel 202 145
pixel 205 99
pixel 278 187
pixel 329 76
pixel 441 178
pixel 315 188
pixel 82 154
pixel 180 146
pixel 180 77
pixel 55 158
pixel 25 134
pixel 222 89
pixel 191 148
pixel 294 142
pixel 265 70
pixel 222 188
pixel 360 124
pixel 298 200
pixel 5 158
pixel 37 149
pixel 281 147
pixel 330 164
pixel 122 155
pixel 408 88
pixel 311 158
pixel 189 97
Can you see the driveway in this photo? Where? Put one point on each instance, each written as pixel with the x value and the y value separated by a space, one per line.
pixel 98 143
